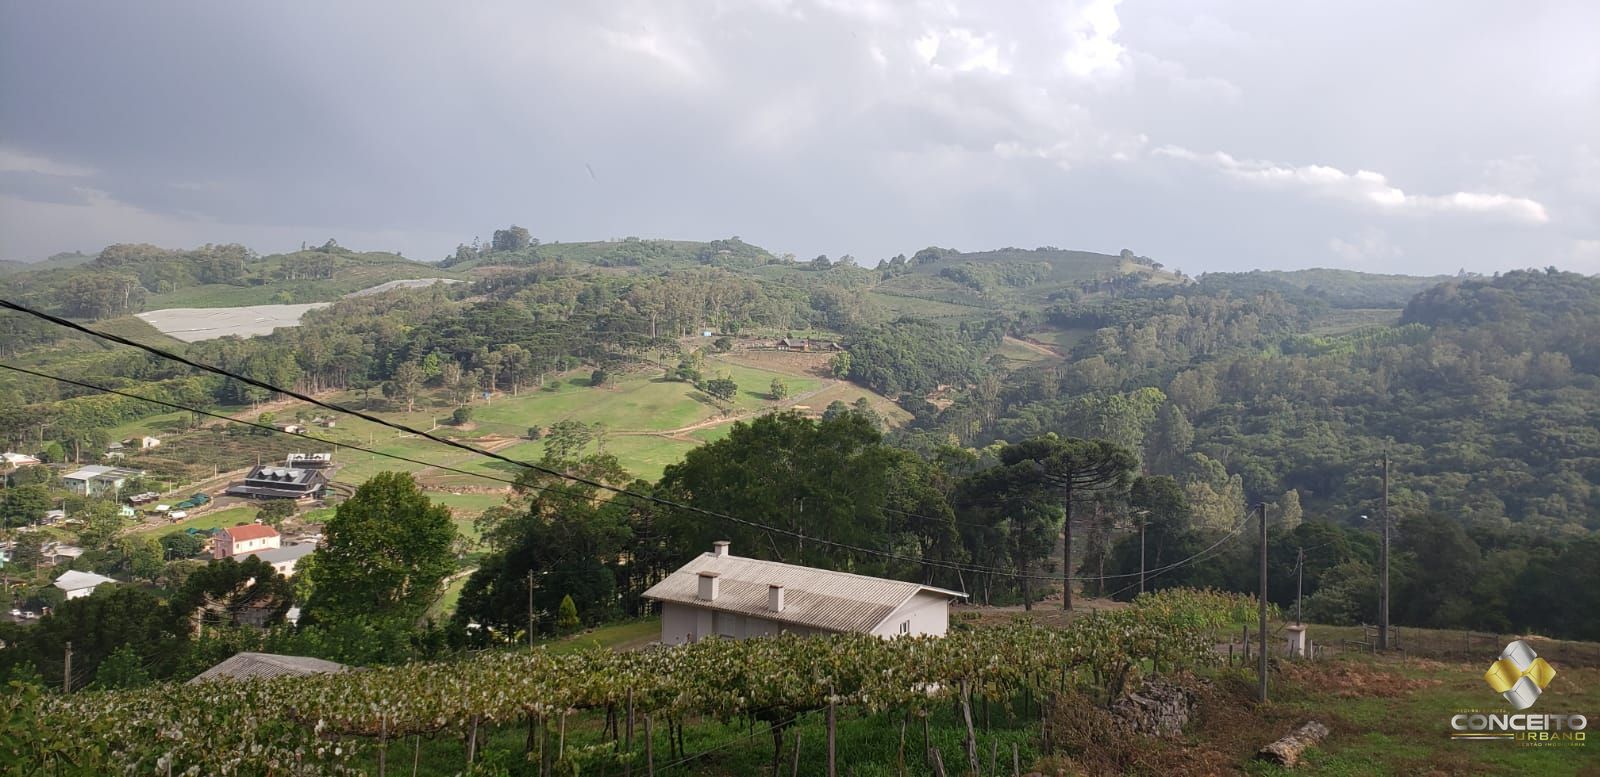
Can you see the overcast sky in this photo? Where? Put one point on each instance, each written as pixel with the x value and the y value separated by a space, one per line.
pixel 1210 135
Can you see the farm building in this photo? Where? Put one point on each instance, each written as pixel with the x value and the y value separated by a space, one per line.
pixel 243 539
pixel 733 597
pixel 243 666
pixel 142 443
pixel 284 558
pixel 792 344
pixel 9 459
pixel 97 480
pixel 309 460
pixel 80 584
pixel 57 554
pixel 270 482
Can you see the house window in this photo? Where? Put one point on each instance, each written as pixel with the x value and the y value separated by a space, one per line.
pixel 905 627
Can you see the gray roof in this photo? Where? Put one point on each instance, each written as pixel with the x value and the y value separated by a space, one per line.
pixel 73 580
pixel 286 553
pixel 817 598
pixel 247 665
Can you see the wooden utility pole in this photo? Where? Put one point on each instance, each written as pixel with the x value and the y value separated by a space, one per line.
pixel 66 671
pixel 1261 660
pixel 1383 560
pixel 1299 581
pixel 1142 521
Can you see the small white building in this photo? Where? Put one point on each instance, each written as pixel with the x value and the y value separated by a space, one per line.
pixel 283 559
pixel 96 480
pixel 9 459
pixel 80 584
pixel 729 596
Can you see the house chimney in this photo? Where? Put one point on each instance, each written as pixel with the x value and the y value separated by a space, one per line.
pixel 720 548
pixel 775 597
pixel 708 586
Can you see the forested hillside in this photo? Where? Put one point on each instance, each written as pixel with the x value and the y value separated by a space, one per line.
pixel 1283 388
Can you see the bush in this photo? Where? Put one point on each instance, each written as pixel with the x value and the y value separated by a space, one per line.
pixel 567 618
pixel 722 344
pixel 599 377
pixel 461 415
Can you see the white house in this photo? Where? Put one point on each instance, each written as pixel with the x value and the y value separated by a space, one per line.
pixel 729 596
pixel 283 559
pixel 80 584
pixel 142 443
pixel 9 459
pixel 96 480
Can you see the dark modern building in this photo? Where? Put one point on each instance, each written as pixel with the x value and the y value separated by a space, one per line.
pixel 273 482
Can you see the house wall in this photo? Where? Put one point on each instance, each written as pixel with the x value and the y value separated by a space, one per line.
pixel 681 623
pixel 926 613
pixel 226 546
pixel 79 593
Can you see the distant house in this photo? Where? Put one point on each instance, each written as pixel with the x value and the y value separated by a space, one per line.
pixel 96 480
pixel 823 345
pixel 57 553
pixel 80 584
pixel 244 666
pixel 283 559
pixel 309 460
pixel 270 482
pixel 728 596
pixel 793 344
pixel 290 428
pixel 55 516
pixel 243 539
pixel 142 443
pixel 9 460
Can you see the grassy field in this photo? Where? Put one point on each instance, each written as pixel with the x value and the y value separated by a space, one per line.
pixel 348 278
pixel 215 519
pixel 1338 321
pixel 1391 715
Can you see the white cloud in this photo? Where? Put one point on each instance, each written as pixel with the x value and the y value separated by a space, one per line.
pixel 17 161
pixel 1362 187
pixel 1092 30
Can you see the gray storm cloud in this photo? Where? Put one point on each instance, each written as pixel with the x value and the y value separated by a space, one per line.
pixel 1224 135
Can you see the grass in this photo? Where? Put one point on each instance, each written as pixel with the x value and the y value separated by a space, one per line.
pixel 348 278
pixel 445 605
pixel 1338 321
pixel 214 519
pixel 1391 715
pixel 627 635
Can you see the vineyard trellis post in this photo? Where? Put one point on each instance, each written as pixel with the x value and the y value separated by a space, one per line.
pixel 627 745
pixel 795 772
pixel 832 720
pixel 649 745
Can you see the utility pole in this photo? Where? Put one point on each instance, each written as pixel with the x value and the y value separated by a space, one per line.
pixel 1299 581
pixel 1142 520
pixel 66 671
pixel 530 609
pixel 1383 560
pixel 1261 662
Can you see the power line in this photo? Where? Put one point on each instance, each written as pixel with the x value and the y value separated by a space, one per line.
pixel 264 427
pixel 515 462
